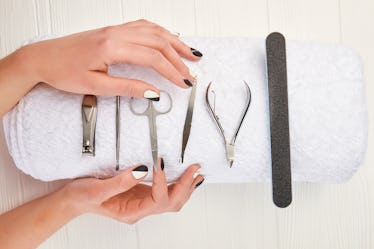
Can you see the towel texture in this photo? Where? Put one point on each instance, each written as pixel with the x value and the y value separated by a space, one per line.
pixel 327 112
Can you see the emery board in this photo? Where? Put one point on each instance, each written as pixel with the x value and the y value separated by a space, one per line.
pixel 279 122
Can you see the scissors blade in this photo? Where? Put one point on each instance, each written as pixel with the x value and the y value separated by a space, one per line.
pixel 188 121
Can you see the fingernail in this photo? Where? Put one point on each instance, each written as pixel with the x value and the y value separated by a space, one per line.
pixel 199 183
pixel 151 95
pixel 175 33
pixel 196 173
pixel 187 82
pixel 140 171
pixel 196 52
pixel 162 164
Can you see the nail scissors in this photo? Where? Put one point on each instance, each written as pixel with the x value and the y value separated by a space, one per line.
pixel 151 112
pixel 229 145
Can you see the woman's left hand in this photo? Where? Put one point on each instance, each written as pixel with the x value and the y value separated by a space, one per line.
pixel 124 199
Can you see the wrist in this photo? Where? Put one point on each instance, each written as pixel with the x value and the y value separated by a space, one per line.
pixel 67 203
pixel 17 78
pixel 24 61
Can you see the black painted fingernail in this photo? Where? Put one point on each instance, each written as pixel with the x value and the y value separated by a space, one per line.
pixel 162 164
pixel 199 183
pixel 140 171
pixel 188 83
pixel 196 52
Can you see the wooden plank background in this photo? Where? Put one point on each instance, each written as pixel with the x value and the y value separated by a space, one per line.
pixel 227 216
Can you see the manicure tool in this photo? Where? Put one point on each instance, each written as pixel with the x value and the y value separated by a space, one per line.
pixel 230 146
pixel 89 115
pixel 118 100
pixel 151 112
pixel 279 124
pixel 188 121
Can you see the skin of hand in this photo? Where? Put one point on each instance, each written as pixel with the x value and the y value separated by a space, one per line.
pixel 121 197
pixel 79 62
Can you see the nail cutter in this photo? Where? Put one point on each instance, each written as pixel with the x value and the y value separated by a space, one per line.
pixel 230 146
pixel 89 116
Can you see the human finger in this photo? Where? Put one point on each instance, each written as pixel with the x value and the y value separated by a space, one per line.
pixel 163 45
pixel 100 83
pixel 180 191
pixel 157 201
pixel 122 182
pixel 148 57
pixel 181 47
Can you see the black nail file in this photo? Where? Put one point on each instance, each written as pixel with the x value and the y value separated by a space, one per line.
pixel 279 125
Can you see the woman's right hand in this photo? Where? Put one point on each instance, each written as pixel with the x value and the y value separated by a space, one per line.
pixel 79 62
pixel 124 199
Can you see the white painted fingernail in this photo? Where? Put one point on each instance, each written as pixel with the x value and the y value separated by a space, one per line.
pixel 139 171
pixel 196 173
pixel 152 95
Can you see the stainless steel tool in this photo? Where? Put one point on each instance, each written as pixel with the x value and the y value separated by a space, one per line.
pixel 188 121
pixel 230 146
pixel 152 113
pixel 89 116
pixel 118 101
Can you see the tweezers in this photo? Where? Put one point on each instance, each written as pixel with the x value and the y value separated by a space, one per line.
pixel 188 121
pixel 118 101
pixel 230 146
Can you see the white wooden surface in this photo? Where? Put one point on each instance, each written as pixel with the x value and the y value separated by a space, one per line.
pixel 218 215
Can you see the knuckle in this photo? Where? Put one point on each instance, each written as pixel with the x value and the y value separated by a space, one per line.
pixel 158 29
pixel 106 39
pixel 142 20
pixel 123 182
pixel 155 58
pixel 129 90
pixel 91 192
pixel 91 87
pixel 177 206
pixel 164 45
pixel 130 221
pixel 163 204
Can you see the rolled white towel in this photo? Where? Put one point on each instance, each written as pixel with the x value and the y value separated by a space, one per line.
pixel 327 114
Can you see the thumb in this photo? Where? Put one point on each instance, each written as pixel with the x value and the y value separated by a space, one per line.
pixel 122 182
pixel 103 84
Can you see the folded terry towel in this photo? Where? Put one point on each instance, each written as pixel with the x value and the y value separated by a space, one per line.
pixel 327 112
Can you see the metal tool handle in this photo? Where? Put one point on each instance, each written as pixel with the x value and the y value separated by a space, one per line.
pixel 89 116
pixel 150 107
pixel 214 115
pixel 139 113
pixel 118 102
pixel 248 103
pixel 170 106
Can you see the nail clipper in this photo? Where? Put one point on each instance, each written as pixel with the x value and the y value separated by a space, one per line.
pixel 229 145
pixel 89 116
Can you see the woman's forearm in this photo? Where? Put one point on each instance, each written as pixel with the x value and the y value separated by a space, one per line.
pixel 16 79
pixel 29 225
